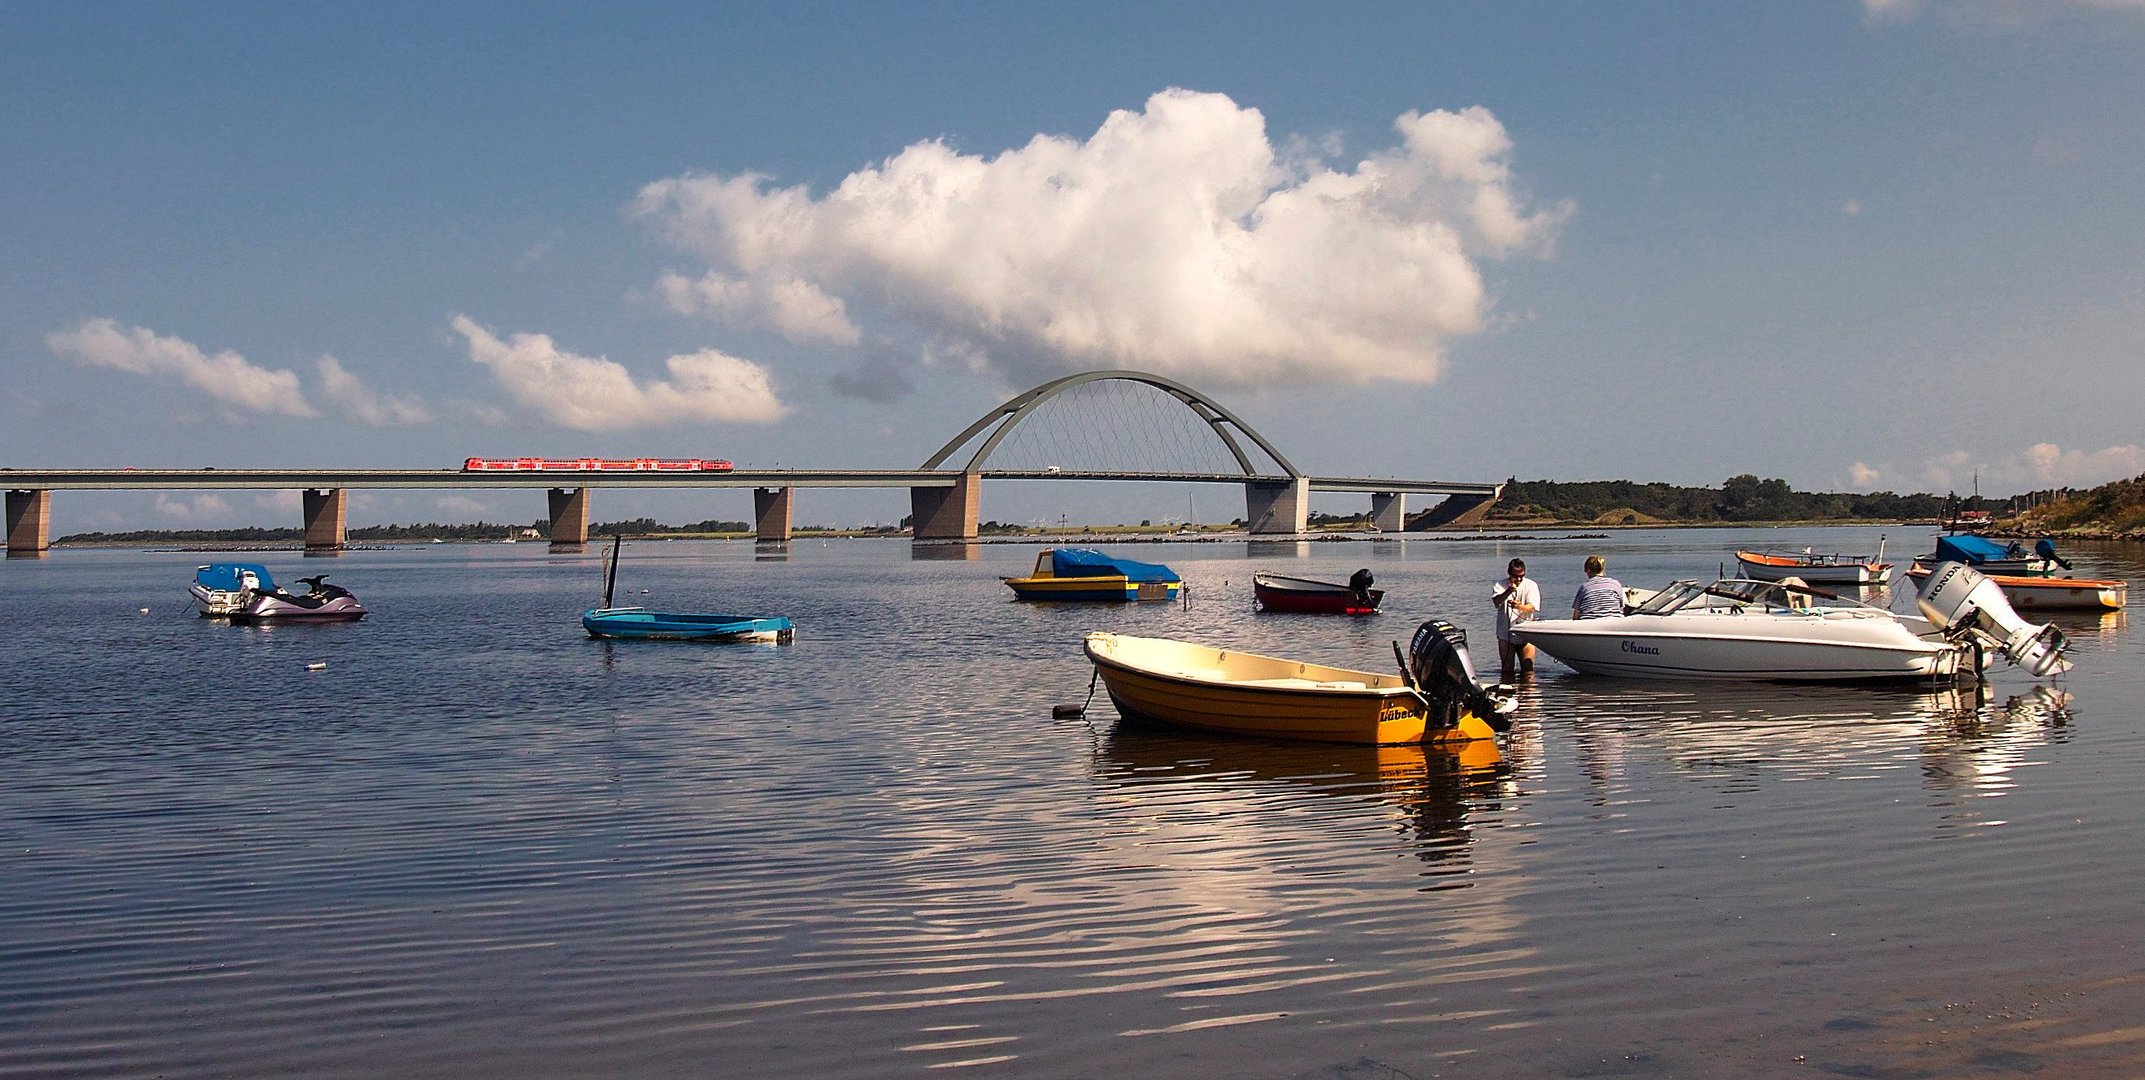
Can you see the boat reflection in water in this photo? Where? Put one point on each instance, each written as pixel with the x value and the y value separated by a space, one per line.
pixel 1434 794
pixel 1964 738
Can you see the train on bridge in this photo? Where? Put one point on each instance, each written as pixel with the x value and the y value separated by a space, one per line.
pixel 532 464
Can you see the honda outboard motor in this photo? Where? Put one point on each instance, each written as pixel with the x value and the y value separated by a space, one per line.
pixel 1961 599
pixel 1444 673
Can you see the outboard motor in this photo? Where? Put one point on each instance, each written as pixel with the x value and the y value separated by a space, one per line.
pixel 1961 599
pixel 2046 549
pixel 1442 671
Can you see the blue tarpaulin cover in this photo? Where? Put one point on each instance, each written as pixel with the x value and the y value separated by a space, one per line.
pixel 224 575
pixel 1085 562
pixel 1973 549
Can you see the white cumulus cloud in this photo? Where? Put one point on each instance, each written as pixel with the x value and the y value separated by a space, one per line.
pixel 225 377
pixel 340 388
pixel 2042 465
pixel 197 508
pixel 1988 14
pixel 1175 239
pixel 1863 475
pixel 587 393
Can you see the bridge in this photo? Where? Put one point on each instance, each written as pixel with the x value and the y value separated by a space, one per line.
pixel 944 499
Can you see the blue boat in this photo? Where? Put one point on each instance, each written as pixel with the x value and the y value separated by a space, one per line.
pixel 222 588
pixel 640 623
pixel 1085 574
pixel 633 622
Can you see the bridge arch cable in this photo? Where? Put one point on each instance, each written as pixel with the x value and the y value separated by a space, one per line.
pixel 1106 422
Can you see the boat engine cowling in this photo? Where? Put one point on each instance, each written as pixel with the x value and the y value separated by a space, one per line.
pixel 1444 673
pixel 1961 599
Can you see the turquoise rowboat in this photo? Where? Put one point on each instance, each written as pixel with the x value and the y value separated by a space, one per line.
pixel 626 623
pixel 633 622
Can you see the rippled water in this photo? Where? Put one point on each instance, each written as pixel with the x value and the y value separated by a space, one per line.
pixel 479 843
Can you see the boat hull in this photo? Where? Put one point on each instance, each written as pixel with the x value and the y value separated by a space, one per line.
pixel 1819 570
pixel 2050 593
pixel 1796 646
pixel 640 624
pixel 265 610
pixel 1191 686
pixel 1107 589
pixel 1306 597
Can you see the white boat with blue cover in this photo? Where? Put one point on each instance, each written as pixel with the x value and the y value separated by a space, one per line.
pixel 221 589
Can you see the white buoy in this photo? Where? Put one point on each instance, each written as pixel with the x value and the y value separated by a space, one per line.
pixel 145 611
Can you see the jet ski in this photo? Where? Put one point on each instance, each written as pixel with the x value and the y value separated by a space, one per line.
pixel 321 602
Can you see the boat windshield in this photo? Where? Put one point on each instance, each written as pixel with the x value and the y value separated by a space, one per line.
pixel 1739 593
pixel 1678 595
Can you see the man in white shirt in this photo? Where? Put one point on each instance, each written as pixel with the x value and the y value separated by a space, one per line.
pixel 1517 600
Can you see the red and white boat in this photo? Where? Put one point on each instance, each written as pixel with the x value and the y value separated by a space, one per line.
pixel 1302 595
pixel 538 464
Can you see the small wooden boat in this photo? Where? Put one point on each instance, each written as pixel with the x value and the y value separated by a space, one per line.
pixel 1815 568
pixel 628 623
pixel 1082 574
pixel 1237 693
pixel 1276 592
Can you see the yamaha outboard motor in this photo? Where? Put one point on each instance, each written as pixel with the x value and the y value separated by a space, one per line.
pixel 1444 673
pixel 1962 600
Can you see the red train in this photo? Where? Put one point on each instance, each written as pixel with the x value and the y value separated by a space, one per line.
pixel 589 464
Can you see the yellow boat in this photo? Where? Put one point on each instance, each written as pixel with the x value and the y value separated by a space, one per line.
pixel 1083 574
pixel 1237 693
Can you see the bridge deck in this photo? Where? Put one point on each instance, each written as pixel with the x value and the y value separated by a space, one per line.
pixel 150 479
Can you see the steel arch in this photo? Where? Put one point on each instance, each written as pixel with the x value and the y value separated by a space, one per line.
pixel 1009 415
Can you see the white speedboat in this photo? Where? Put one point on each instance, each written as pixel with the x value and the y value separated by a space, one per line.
pixel 1742 629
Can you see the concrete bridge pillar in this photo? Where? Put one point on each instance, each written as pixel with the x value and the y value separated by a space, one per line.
pixel 1458 511
pixel 771 514
pixel 947 513
pixel 1389 511
pixel 29 514
pixel 1282 508
pixel 569 515
pixel 324 509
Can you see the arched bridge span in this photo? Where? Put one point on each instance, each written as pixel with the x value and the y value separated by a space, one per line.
pixel 1002 421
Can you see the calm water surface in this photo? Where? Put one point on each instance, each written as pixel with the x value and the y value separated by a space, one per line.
pixel 481 844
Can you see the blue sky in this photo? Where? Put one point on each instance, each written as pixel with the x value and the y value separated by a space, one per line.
pixel 1856 246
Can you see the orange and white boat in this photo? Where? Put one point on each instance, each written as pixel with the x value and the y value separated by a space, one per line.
pixel 1815 568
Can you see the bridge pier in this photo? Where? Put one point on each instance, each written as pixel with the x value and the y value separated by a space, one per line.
pixel 324 509
pixel 771 514
pixel 29 516
pixel 947 513
pixel 569 515
pixel 1278 508
pixel 1457 511
pixel 1389 511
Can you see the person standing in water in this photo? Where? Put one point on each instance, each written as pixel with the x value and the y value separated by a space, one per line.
pixel 1517 600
